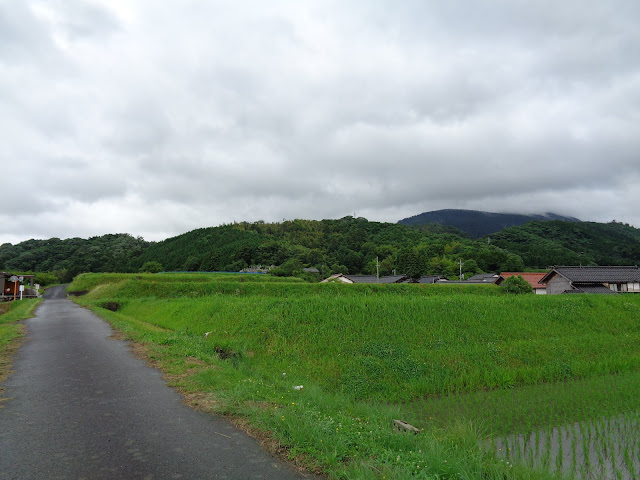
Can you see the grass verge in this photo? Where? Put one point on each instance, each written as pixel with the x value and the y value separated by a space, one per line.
pixel 11 331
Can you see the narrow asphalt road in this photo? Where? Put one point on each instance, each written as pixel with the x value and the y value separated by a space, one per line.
pixel 80 406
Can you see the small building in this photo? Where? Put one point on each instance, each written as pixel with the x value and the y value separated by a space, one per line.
pixel 341 277
pixel 10 286
pixel 533 278
pixel 612 279
pixel 310 270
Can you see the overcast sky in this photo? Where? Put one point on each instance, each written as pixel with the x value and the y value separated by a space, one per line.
pixel 154 118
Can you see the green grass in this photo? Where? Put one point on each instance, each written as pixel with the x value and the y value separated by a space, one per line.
pixel 369 353
pixel 11 330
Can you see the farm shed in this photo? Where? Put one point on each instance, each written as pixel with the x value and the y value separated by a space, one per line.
pixel 532 278
pixel 612 279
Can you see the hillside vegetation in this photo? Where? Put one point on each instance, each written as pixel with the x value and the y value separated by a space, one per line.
pixel 541 244
pixel 349 245
pixel 366 354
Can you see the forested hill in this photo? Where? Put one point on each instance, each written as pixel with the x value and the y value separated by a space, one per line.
pixel 348 245
pixel 541 244
pixel 476 223
pixel 67 258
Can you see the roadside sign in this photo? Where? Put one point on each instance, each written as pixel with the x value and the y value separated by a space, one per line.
pixel 13 278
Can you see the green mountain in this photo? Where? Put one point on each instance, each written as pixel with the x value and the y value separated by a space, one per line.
pixel 541 244
pixel 348 245
pixel 107 253
pixel 476 223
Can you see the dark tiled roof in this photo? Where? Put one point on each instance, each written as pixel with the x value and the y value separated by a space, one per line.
pixel 468 282
pixel 374 279
pixel 484 278
pixel 431 279
pixel 597 274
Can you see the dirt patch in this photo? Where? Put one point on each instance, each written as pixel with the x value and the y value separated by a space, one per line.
pixel 78 293
pixel 112 306
pixel 226 354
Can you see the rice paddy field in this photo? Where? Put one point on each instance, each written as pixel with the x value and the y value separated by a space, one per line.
pixel 500 386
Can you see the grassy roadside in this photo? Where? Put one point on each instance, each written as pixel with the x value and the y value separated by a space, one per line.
pixel 319 431
pixel 11 331
pixel 335 424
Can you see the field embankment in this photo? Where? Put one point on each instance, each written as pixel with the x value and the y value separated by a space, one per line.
pixel 366 354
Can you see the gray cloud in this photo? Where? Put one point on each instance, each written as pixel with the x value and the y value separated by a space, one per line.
pixel 158 118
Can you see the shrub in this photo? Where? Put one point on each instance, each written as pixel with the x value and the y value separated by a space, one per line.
pixel 151 267
pixel 516 284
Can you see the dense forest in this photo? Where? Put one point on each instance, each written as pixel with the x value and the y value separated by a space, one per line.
pixel 348 245
pixel 541 244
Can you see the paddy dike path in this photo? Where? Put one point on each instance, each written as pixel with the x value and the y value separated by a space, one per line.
pixel 80 405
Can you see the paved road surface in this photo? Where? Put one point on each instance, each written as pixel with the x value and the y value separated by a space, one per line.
pixel 81 406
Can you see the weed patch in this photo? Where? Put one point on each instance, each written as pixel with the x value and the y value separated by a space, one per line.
pixel 11 332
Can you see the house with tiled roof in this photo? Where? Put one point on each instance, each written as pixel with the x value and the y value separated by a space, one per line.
pixel 612 279
pixel 532 278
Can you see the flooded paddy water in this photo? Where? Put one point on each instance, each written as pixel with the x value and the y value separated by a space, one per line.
pixel 604 449
pixel 580 429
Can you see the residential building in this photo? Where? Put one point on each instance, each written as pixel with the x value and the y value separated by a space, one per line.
pixel 611 279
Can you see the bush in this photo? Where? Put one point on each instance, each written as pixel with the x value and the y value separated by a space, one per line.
pixel 516 284
pixel 151 267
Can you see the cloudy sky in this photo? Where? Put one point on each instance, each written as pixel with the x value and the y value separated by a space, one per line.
pixel 155 118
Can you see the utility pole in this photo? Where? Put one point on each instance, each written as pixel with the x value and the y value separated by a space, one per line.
pixel 377 271
pixel 461 277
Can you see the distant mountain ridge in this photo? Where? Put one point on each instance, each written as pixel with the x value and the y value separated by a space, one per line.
pixel 478 223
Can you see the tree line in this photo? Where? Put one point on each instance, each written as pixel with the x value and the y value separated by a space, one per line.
pixel 348 245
